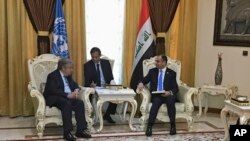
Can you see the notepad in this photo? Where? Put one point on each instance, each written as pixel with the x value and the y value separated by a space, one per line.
pixel 158 92
pixel 109 86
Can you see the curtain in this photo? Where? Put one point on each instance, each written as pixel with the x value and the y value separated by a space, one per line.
pixel 17 42
pixel 161 13
pixel 181 39
pixel 41 14
pixel 133 8
pixel 75 21
pixel 17 45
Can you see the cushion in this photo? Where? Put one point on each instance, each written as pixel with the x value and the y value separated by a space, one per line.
pixel 42 87
pixel 53 111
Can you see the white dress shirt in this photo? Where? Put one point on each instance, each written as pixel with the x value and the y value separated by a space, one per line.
pixel 66 84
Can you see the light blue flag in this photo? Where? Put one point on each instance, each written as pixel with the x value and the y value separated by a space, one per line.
pixel 60 39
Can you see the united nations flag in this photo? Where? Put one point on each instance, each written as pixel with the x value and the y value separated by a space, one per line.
pixel 60 41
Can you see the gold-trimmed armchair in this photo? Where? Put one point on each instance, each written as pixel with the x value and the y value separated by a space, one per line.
pixel 39 67
pixel 184 108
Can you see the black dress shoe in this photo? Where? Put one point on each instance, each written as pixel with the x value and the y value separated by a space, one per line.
pixel 83 134
pixel 172 130
pixel 148 131
pixel 108 118
pixel 69 137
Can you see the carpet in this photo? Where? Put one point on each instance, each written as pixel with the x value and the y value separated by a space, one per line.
pixel 139 136
pixel 160 133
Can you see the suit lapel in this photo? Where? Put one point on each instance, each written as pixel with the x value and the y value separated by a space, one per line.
pixel 166 75
pixel 166 78
pixel 103 69
pixel 157 74
pixel 93 68
pixel 61 84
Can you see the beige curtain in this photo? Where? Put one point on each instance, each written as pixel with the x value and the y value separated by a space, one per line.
pixel 181 39
pixel 133 8
pixel 18 44
pixel 75 21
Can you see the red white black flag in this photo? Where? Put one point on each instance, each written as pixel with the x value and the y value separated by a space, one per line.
pixel 145 46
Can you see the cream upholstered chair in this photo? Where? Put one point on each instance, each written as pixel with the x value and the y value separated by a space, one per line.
pixel 184 108
pixel 39 68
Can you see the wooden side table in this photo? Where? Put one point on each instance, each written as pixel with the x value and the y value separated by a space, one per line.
pixel 215 90
pixel 242 111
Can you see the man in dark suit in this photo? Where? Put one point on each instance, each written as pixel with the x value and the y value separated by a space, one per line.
pixel 161 78
pixel 98 72
pixel 62 91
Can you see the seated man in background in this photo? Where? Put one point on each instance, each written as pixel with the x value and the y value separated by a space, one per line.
pixel 161 78
pixel 98 72
pixel 62 91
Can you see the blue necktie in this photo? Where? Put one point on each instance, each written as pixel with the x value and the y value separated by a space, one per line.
pixel 160 84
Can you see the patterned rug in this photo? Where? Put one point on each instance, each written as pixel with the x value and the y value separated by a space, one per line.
pixel 160 133
pixel 139 136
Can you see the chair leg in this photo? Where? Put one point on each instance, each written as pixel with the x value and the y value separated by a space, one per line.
pixel 40 128
pixel 189 122
pixel 142 121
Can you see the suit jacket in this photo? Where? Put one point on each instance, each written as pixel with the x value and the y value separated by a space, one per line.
pixel 169 83
pixel 90 72
pixel 54 87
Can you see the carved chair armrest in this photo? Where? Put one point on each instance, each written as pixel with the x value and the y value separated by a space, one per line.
pixel 38 102
pixel 185 95
pixel 146 97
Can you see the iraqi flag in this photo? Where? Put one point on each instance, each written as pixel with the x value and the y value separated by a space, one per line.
pixel 145 46
pixel 60 39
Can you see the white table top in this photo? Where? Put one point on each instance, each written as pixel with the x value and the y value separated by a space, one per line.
pixel 241 107
pixel 103 91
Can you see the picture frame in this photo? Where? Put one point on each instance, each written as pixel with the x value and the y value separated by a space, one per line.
pixel 232 23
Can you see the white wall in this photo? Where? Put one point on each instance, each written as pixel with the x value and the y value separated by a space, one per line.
pixel 236 68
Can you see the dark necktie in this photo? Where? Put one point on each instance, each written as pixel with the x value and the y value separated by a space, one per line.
pixel 98 81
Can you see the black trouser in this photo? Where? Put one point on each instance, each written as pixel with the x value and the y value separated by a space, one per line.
pixel 67 106
pixel 156 104
pixel 111 109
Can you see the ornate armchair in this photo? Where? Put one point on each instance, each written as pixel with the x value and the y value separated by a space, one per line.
pixel 39 68
pixel 184 108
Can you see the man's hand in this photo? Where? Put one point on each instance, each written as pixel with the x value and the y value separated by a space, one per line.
pixel 77 92
pixel 167 93
pixel 140 86
pixel 73 95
